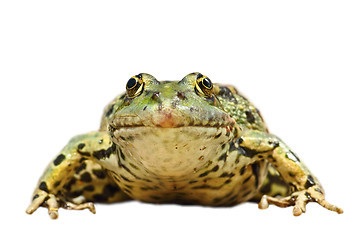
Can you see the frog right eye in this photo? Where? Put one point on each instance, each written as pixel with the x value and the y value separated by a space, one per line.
pixel 135 86
pixel 204 86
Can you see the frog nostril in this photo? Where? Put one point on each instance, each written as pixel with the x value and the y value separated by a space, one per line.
pixel 181 95
pixel 155 96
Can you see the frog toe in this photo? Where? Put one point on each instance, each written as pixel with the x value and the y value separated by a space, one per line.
pixel 38 200
pixel 53 203
pixel 317 195
pixel 299 200
pixel 86 205
pixel 45 199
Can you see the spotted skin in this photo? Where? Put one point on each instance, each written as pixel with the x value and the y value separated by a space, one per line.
pixel 186 142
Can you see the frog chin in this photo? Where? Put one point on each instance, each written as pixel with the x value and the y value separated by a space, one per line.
pixel 171 152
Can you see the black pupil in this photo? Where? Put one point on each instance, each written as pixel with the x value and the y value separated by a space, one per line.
pixel 131 83
pixel 207 83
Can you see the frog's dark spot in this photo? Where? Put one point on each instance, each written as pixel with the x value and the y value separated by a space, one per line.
pixel 81 146
pixel 125 178
pixel 223 157
pixel 108 113
pixel 101 154
pixel 110 190
pixel 246 194
pixel 247 152
pixel 156 197
pixel 59 159
pixel 218 135
pixel 85 177
pixel 214 169
pixel 319 190
pixel 121 154
pixel 249 116
pixel 256 172
pixel 75 194
pixel 226 93
pixel 225 174
pixel 126 191
pixel 80 168
pixel 308 195
pixel 56 184
pixel 144 108
pixel 99 198
pixel 217 200
pixel 129 171
pixel 99 173
pixel 232 201
pixel 205 186
pixel 128 186
pixel 134 166
pixel 274 143
pixel 117 179
pixel 247 179
pixel 43 186
pixel 89 188
pixel 35 197
pixel 68 185
pixel 181 95
pixel 82 159
pixel 310 181
pixel 291 174
pixel 84 153
pixel 227 181
pixel 193 181
pixel 242 170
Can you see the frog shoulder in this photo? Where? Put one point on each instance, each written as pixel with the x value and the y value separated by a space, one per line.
pixel 239 107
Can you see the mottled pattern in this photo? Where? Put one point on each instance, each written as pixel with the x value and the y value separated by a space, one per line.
pixel 186 142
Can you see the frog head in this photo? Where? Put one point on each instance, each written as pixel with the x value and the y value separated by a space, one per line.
pixel 171 127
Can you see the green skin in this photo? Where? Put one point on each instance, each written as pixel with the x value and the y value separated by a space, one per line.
pixel 186 142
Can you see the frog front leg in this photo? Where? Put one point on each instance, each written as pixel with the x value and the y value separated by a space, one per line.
pixel 305 186
pixel 74 178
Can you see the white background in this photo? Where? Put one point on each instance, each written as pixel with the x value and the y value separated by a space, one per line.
pixel 62 61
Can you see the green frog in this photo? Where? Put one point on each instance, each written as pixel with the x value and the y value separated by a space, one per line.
pixel 186 142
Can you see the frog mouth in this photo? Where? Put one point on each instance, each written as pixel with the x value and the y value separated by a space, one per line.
pixel 170 120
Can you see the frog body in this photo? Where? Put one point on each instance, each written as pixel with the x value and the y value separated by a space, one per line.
pixel 187 142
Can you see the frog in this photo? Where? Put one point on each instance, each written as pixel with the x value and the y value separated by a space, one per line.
pixel 189 142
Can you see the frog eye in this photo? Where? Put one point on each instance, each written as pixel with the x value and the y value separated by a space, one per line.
pixel 135 86
pixel 204 85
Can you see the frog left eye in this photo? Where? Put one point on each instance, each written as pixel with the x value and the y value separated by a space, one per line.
pixel 135 86
pixel 204 85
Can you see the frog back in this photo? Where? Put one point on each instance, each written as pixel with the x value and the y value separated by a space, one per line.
pixel 246 115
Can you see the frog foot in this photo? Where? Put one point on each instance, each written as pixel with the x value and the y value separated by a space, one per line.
pixel 299 200
pixel 53 203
